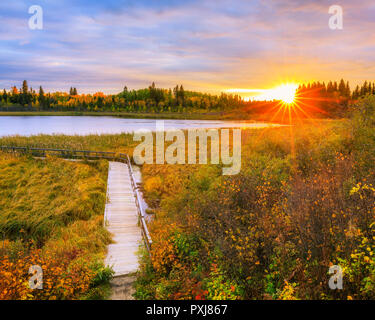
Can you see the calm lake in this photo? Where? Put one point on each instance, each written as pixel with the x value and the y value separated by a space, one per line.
pixel 84 125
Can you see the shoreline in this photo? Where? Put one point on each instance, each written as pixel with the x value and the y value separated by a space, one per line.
pixel 130 115
pixel 218 116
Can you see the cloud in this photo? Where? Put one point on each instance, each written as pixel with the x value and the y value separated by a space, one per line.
pixel 206 45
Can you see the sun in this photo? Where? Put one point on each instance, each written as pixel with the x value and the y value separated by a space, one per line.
pixel 286 93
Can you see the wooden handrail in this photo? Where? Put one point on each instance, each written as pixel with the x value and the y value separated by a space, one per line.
pixel 141 211
pixel 89 154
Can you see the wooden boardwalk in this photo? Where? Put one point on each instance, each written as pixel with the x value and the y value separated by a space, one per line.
pixel 121 219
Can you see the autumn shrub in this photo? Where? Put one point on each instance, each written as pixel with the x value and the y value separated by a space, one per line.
pixel 60 279
pixel 363 142
pixel 218 287
pixel 359 269
pixel 302 202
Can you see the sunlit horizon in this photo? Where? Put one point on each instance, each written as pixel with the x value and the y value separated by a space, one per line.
pixel 284 92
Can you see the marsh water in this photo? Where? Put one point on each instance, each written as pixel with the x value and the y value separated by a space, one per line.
pixel 85 125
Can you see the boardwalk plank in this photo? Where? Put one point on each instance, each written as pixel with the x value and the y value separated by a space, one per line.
pixel 122 221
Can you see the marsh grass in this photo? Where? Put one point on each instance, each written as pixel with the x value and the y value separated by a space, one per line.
pixel 54 206
pixel 106 142
pixel 38 197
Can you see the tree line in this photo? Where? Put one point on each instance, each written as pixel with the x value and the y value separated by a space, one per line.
pixel 332 98
pixel 336 90
pixel 151 99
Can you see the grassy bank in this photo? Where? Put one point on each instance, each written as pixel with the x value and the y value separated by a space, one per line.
pixel 106 142
pixel 52 216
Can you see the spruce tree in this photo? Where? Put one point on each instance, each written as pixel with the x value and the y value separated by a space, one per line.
pixel 25 87
pixel 342 88
pixel 41 97
pixel 347 90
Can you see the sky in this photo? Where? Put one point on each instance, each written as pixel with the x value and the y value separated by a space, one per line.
pixel 210 46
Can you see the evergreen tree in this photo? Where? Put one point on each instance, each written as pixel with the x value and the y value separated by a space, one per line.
pixel 176 92
pixel 364 89
pixel 5 97
pixel 347 90
pixel 25 88
pixel 356 93
pixel 330 88
pixel 41 97
pixel 25 98
pixel 182 94
pixel 342 88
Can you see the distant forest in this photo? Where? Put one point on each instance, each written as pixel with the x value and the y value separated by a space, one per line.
pixel 330 100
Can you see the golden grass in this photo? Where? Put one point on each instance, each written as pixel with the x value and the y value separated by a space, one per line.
pixel 38 197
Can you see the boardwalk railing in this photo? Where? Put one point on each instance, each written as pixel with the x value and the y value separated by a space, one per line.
pixel 141 210
pixel 93 155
